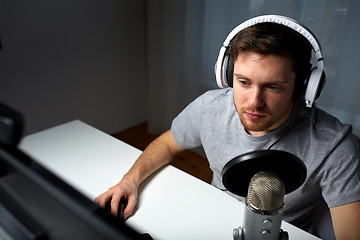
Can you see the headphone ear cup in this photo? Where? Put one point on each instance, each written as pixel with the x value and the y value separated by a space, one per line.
pixel 320 84
pixel 225 72
pixel 230 73
pixel 221 68
pixel 319 79
pixel 314 86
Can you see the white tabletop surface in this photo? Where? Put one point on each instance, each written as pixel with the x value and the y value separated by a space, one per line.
pixel 172 204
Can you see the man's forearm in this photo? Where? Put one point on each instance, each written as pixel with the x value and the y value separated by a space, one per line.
pixel 159 153
pixel 346 221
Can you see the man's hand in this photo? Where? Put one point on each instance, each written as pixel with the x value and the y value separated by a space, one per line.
pixel 125 188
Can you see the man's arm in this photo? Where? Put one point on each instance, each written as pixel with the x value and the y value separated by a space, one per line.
pixel 346 221
pixel 159 153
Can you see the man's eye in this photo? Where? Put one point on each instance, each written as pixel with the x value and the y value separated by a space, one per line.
pixel 244 83
pixel 273 87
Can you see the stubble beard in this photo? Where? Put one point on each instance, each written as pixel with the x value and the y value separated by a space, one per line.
pixel 258 125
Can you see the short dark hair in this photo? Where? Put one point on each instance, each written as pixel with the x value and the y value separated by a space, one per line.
pixel 273 38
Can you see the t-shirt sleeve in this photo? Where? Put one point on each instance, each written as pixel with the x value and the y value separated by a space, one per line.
pixel 186 126
pixel 344 174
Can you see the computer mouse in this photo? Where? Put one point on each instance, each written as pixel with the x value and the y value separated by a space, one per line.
pixel 120 216
pixel 121 208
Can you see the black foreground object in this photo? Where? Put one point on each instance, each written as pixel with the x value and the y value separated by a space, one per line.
pixel 237 173
pixel 29 192
pixel 121 208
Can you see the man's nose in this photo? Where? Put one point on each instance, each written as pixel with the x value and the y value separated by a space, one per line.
pixel 256 98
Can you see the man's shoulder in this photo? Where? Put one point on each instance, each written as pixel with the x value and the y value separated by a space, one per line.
pixel 212 103
pixel 328 131
pixel 223 94
pixel 328 122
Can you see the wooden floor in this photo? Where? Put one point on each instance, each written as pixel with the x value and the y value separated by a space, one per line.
pixel 188 161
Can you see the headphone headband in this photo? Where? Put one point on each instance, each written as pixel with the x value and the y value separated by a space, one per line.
pixel 286 21
pixel 223 60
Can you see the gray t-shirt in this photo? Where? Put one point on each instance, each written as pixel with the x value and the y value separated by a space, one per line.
pixel 325 145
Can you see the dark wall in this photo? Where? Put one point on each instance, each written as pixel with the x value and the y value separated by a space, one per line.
pixel 74 59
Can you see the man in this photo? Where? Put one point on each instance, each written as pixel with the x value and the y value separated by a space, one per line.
pixel 264 110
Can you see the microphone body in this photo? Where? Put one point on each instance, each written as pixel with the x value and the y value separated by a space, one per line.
pixel 259 224
pixel 264 209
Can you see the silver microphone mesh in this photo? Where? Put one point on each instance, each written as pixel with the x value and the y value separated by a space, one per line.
pixel 266 191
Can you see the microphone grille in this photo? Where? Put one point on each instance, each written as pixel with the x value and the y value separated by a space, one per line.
pixel 266 191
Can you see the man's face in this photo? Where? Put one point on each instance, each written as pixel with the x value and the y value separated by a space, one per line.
pixel 263 88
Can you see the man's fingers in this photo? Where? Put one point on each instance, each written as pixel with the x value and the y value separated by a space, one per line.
pixel 130 207
pixel 115 204
pixel 102 199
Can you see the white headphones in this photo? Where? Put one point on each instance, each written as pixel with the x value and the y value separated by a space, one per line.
pixel 317 76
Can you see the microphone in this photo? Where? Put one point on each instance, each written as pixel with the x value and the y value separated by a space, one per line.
pixel 264 208
pixel 263 177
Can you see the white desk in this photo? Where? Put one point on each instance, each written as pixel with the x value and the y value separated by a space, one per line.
pixel 172 204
